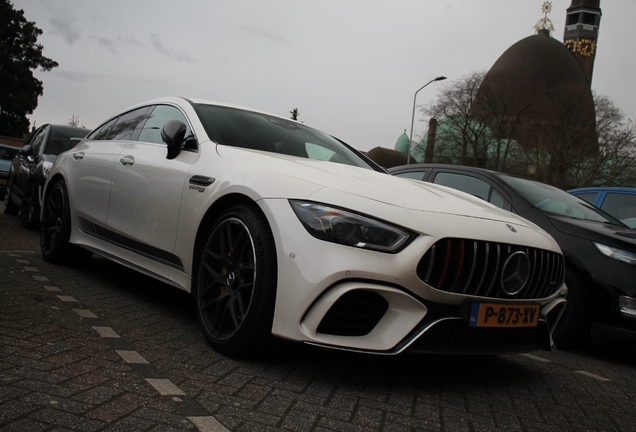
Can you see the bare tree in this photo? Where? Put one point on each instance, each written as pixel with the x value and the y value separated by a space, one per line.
pixel 74 121
pixel 460 138
pixel 510 125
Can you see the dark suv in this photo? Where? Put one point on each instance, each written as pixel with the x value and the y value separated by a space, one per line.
pixel 31 166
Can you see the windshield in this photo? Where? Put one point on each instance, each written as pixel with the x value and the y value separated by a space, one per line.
pixel 8 153
pixel 246 129
pixel 62 140
pixel 555 201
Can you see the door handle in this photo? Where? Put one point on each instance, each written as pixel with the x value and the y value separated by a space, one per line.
pixel 127 160
pixel 78 155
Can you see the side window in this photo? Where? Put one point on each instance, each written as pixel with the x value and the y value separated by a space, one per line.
pixel 36 142
pixel 102 132
pixel 125 126
pixel 464 183
pixel 588 196
pixel 151 129
pixel 417 175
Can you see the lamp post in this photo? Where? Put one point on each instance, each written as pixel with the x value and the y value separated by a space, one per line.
pixel 439 78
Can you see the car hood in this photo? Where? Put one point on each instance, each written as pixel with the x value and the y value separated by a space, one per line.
pixel 5 165
pixel 612 235
pixel 369 184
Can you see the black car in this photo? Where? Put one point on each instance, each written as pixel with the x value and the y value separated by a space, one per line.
pixel 31 166
pixel 600 251
pixel 7 153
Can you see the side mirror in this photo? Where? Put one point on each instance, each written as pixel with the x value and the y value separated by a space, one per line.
pixel 173 134
pixel 27 150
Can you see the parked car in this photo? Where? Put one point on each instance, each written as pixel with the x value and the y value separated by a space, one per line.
pixel 599 251
pixel 279 229
pixel 7 153
pixel 619 202
pixel 31 166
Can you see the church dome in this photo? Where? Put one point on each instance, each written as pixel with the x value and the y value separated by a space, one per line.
pixel 539 77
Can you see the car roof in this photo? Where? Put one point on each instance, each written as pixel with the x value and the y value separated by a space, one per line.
pixel 448 166
pixel 604 189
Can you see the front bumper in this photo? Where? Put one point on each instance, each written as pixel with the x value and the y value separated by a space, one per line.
pixel 354 299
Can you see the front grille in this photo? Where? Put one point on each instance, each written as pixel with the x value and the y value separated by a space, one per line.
pixel 476 268
pixel 356 313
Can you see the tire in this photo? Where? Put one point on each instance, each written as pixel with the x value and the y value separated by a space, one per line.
pixel 573 330
pixel 235 282
pixel 30 208
pixel 55 229
pixel 10 207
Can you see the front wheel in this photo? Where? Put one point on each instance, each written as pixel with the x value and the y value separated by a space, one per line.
pixel 573 330
pixel 55 229
pixel 30 208
pixel 10 207
pixel 235 282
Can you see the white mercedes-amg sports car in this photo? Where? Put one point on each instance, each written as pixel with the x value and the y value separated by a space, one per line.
pixel 281 230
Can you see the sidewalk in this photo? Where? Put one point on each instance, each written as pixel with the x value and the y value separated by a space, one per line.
pixel 13 237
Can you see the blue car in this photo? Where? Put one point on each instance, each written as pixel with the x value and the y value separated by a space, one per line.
pixel 619 202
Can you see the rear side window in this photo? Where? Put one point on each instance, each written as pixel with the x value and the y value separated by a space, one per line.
pixel 101 133
pixel 471 185
pixel 588 196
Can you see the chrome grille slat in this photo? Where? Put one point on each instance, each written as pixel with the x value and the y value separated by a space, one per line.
pixel 496 273
pixel 452 265
pixel 472 269
pixel 483 275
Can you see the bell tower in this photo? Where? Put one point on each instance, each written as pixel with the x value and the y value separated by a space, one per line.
pixel 581 32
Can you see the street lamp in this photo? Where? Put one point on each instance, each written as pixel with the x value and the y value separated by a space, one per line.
pixel 439 78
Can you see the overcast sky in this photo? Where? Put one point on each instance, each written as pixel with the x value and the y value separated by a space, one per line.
pixel 351 67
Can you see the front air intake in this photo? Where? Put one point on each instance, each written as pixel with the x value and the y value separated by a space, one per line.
pixel 356 313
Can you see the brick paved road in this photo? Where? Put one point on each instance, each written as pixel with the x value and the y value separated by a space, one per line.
pixel 100 347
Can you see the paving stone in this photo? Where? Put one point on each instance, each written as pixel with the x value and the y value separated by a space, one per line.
pixel 58 373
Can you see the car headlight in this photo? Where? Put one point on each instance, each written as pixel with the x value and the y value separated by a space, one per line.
pixel 344 227
pixel 627 306
pixel 618 254
pixel 46 169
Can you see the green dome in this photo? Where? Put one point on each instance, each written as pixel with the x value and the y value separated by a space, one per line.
pixel 402 143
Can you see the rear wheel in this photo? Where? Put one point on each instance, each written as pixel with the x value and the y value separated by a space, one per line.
pixel 55 229
pixel 236 282
pixel 30 208
pixel 574 327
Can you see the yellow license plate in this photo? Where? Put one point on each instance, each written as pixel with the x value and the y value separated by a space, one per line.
pixel 3 182
pixel 503 315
